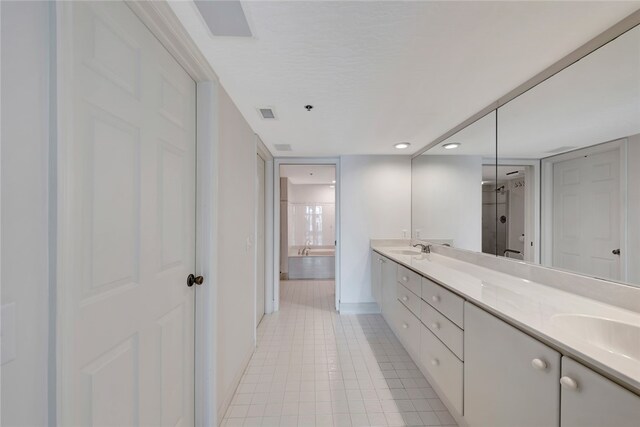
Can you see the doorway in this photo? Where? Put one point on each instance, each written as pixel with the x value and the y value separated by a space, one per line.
pixel 308 224
pixel 260 237
pixel 508 209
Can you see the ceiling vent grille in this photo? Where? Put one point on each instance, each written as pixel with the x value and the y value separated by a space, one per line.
pixel 282 147
pixel 267 113
pixel 224 18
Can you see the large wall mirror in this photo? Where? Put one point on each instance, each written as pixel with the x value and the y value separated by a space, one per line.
pixel 453 197
pixel 569 165
pixel 551 177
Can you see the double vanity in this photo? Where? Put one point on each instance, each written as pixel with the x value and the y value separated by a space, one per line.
pixel 504 350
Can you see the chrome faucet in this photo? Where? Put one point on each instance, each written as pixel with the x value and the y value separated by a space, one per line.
pixel 305 250
pixel 426 249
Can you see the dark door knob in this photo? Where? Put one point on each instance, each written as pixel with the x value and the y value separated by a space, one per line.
pixel 616 251
pixel 194 280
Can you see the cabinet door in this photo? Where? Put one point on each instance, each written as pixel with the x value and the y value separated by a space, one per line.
pixel 591 400
pixel 388 285
pixel 376 277
pixel 510 379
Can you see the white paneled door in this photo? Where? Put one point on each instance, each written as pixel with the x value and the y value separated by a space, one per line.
pixel 126 223
pixel 586 214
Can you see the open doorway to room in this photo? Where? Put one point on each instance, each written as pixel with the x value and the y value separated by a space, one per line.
pixel 308 227
pixel 508 204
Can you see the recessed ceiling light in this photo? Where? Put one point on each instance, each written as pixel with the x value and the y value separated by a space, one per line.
pixel 402 145
pixel 333 182
pixel 451 145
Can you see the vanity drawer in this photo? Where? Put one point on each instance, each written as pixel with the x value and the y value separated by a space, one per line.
pixel 443 328
pixel 443 300
pixel 409 299
pixel 409 279
pixel 408 329
pixel 443 366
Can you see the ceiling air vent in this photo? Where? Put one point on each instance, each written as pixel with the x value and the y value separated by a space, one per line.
pixel 282 147
pixel 267 113
pixel 224 18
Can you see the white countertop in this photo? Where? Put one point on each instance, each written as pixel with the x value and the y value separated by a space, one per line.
pixel 557 317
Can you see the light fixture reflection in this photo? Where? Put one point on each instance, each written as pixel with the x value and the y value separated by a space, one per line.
pixel 451 145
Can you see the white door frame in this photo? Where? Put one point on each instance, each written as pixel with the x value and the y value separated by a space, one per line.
pixel 532 204
pixel 263 152
pixel 547 198
pixel 335 161
pixel 167 28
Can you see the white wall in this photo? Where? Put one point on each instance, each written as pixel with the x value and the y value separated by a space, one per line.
pixel 25 151
pixel 236 255
pixel 447 199
pixel 311 193
pixel 375 202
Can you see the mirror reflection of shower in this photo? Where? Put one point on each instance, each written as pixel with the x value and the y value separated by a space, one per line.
pixel 504 196
pixel 307 228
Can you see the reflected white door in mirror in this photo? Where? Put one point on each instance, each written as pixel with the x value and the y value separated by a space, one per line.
pixel 586 211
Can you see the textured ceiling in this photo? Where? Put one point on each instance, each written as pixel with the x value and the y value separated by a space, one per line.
pixel 382 72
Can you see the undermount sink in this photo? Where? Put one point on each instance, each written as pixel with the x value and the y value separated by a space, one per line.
pixel 404 252
pixel 616 337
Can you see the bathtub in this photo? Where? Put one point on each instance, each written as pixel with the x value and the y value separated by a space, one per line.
pixel 318 264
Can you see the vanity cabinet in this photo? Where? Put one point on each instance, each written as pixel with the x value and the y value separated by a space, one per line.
pixel 510 378
pixel 407 328
pixel 488 372
pixel 376 277
pixel 591 400
pixel 388 274
pixel 383 281
pixel 444 368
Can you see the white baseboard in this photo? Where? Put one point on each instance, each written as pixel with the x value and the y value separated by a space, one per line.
pixel 359 308
pixel 226 400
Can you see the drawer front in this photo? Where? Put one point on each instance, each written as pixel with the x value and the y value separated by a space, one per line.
pixel 409 299
pixel 408 329
pixel 443 366
pixel 409 279
pixel 443 300
pixel 451 335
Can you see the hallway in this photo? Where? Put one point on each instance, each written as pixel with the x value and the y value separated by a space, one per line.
pixel 313 367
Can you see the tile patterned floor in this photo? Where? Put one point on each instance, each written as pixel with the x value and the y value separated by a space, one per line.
pixel 314 367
